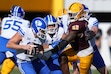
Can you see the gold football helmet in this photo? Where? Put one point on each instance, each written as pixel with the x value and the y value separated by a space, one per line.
pixel 61 12
pixel 76 10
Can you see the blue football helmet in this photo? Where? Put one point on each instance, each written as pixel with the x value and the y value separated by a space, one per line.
pixel 51 21
pixel 39 27
pixel 17 11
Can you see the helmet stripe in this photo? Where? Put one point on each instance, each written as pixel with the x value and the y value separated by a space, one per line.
pixel 17 10
pixel 14 11
pixel 50 19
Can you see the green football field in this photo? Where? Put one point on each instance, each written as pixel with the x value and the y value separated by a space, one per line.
pixel 16 71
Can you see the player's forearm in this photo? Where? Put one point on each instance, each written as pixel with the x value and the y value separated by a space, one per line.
pixel 60 46
pixel 64 42
pixel 14 46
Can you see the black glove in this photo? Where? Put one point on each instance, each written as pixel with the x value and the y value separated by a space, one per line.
pixel 35 50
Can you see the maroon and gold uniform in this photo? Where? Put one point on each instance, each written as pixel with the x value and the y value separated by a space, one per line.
pixel 80 44
pixel 77 39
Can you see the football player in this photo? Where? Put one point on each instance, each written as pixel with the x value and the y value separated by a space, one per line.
pixel 98 61
pixel 93 26
pixel 10 26
pixel 29 47
pixel 54 33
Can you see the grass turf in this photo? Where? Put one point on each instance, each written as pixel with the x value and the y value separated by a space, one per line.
pixel 16 71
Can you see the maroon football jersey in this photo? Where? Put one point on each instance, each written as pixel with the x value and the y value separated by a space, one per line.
pixel 79 43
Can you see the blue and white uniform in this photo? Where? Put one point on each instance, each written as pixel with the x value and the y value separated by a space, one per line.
pixel 31 64
pixel 54 33
pixel 98 61
pixel 10 26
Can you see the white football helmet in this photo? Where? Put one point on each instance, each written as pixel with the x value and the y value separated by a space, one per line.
pixel 17 11
pixel 52 25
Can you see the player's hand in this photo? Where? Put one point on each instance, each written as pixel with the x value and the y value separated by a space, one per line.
pixel 33 49
pixel 28 47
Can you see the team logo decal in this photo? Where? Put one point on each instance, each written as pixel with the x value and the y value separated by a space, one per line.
pixel 75 27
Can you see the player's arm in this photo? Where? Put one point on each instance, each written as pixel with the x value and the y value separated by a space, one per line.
pixel 94 29
pixel 50 47
pixel 65 41
pixel 14 43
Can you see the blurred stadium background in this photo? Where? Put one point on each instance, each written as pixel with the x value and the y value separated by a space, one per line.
pixel 34 8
